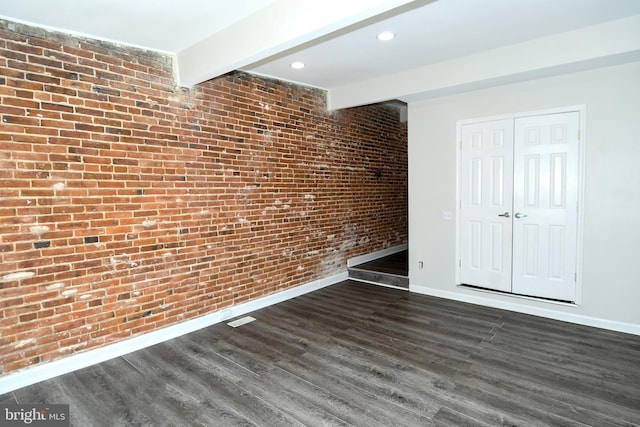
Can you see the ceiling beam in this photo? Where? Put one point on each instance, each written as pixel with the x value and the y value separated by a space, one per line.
pixel 600 45
pixel 279 26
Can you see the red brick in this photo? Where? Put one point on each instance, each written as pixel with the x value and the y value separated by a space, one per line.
pixel 200 198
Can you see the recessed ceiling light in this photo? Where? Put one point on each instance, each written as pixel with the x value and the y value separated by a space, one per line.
pixel 297 65
pixel 386 36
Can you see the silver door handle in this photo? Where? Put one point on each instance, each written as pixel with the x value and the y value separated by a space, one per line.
pixel 506 214
pixel 520 215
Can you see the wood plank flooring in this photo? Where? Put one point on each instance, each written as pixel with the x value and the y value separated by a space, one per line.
pixel 396 263
pixel 361 355
pixel 391 270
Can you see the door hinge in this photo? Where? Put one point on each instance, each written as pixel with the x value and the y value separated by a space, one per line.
pixel 460 144
pixel 459 262
pixel 575 277
pixel 577 206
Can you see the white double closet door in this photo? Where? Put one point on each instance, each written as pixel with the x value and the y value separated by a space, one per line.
pixel 518 213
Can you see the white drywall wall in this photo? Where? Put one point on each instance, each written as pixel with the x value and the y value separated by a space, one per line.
pixel 611 272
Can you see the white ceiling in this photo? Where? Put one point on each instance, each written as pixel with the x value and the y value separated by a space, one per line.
pixel 436 32
pixel 163 25
pixel 216 36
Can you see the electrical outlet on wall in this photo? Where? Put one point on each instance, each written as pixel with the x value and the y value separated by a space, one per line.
pixel 447 215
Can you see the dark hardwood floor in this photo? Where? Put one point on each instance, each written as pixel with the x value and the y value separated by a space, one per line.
pixel 391 270
pixel 362 355
pixel 391 264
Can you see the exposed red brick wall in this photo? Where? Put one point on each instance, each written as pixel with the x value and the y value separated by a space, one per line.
pixel 129 204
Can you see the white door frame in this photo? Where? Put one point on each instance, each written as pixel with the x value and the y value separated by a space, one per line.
pixel 582 109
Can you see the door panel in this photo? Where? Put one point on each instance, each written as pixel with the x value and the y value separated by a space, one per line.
pixel 546 161
pixel 486 189
pixel 531 181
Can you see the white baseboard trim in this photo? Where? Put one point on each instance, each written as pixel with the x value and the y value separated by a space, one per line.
pixel 596 322
pixel 45 371
pixel 377 254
